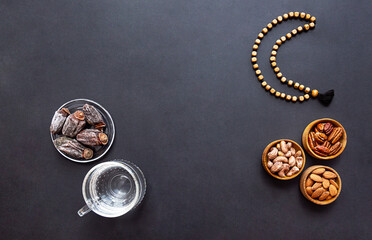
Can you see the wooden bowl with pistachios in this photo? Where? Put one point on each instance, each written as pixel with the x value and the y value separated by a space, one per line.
pixel 324 138
pixel 283 159
pixel 320 184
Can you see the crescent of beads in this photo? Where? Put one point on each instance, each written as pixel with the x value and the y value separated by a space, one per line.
pixel 278 43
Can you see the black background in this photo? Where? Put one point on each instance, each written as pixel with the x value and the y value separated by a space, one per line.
pixel 176 77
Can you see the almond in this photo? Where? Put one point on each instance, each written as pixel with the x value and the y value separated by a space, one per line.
pixel 316 178
pixel 319 171
pixel 309 191
pixel 317 193
pixel 325 183
pixel 324 196
pixel 329 174
pixel 316 186
pixel 332 190
pixel 309 182
pixel 333 182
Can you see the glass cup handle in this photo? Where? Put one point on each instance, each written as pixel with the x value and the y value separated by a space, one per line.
pixel 84 210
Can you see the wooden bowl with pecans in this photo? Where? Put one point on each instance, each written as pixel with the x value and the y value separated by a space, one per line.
pixel 320 184
pixel 288 164
pixel 324 138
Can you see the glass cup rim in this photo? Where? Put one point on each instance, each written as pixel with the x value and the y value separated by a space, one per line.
pixel 126 164
pixel 108 146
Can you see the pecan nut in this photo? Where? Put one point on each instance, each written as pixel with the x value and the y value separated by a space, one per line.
pixel 322 149
pixel 311 140
pixel 320 137
pixel 327 144
pixel 335 148
pixel 320 127
pixel 328 127
pixel 335 135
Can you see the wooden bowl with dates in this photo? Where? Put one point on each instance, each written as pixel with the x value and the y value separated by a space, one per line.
pixel 324 138
pixel 273 155
pixel 320 184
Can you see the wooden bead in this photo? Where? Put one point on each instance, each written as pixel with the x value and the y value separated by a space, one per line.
pixel 301 87
pixel 254 59
pixel 285 16
pixel 260 78
pixel 255 66
pixel 307 27
pixel 277 94
pixel 308 16
pixel 291 14
pixel 272 91
pixel 258 72
pixel 258 41
pixel 276 70
pixel 278 42
pixel 274 22
pixel 314 93
pixel 273 64
pixel 280 19
pixel 264 30
pixel 273 53
pixel 302 15
pixel 269 26
pixel 294 99
pixel 307 96
pixel 267 87
pixel 290 82
pixel 279 75
pixel 294 32
pixel 264 84
pixel 296 14
pixel 288 97
pixel 254 53
pixel 261 35
pixel 282 95
pixel 255 47
pixel 313 19
pixel 288 35
pixel 301 98
pixel 283 39
pixel 312 25
pixel 296 85
pixel 283 79
pixel 272 59
pixel 299 29
pixel 307 90
pixel 275 47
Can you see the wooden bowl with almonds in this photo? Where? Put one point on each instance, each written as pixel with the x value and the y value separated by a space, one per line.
pixel 324 138
pixel 320 184
pixel 299 152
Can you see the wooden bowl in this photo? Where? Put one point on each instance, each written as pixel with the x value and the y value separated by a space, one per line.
pixel 295 145
pixel 311 126
pixel 303 185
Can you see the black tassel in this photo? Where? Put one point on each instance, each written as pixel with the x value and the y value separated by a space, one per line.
pixel 326 98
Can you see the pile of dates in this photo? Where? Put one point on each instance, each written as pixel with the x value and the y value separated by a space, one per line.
pixel 321 184
pixel 284 160
pixel 82 131
pixel 324 139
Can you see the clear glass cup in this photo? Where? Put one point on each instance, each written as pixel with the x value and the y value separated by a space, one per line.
pixel 113 188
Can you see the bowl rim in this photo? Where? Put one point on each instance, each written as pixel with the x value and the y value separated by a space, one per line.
pixel 108 146
pixel 302 184
pixel 306 133
pixel 264 158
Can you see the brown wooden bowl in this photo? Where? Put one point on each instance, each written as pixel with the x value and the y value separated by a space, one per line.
pixel 303 185
pixel 295 145
pixel 311 126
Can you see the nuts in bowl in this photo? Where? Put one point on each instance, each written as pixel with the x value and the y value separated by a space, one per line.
pixel 324 138
pixel 320 184
pixel 283 159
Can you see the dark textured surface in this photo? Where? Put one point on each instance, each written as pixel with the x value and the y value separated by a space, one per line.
pixel 176 77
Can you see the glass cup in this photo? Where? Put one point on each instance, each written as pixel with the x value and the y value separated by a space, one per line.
pixel 113 188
